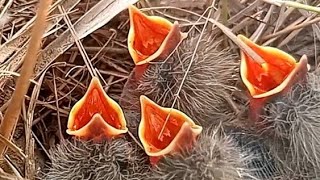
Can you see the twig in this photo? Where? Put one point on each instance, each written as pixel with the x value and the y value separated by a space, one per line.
pixel 10 73
pixel 224 29
pixel 13 168
pixel 224 11
pixel 258 59
pixel 7 176
pixel 78 43
pixel 256 35
pixel 5 9
pixel 12 114
pixel 57 104
pixel 294 5
pixel 12 146
pixel 289 29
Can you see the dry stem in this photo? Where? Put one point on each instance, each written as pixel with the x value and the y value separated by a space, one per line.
pixel 12 114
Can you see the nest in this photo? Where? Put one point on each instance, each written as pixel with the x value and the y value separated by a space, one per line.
pixel 61 75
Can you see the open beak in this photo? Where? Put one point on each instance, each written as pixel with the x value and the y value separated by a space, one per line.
pixel 179 133
pixel 275 76
pixel 96 115
pixel 151 37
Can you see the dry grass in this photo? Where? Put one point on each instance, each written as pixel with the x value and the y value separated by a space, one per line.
pixel 89 33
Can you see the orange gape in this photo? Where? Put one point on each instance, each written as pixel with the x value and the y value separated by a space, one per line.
pixel 151 37
pixel 180 131
pixel 96 115
pixel 148 35
pixel 277 75
pixel 96 104
pixel 155 119
pixel 262 78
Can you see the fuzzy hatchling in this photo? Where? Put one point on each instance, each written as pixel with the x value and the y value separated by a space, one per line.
pixel 284 104
pixel 202 97
pixel 207 86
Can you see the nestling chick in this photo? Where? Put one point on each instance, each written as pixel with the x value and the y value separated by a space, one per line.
pixel 218 154
pixel 117 159
pixel 284 107
pixel 100 149
pixel 206 87
pixel 293 120
pixel 209 81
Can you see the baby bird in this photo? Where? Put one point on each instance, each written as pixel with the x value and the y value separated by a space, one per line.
pixel 278 73
pixel 164 131
pixel 178 149
pixel 78 160
pixel 293 120
pixel 203 97
pixel 218 154
pixel 96 115
pixel 284 107
pixel 100 149
pixel 204 92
